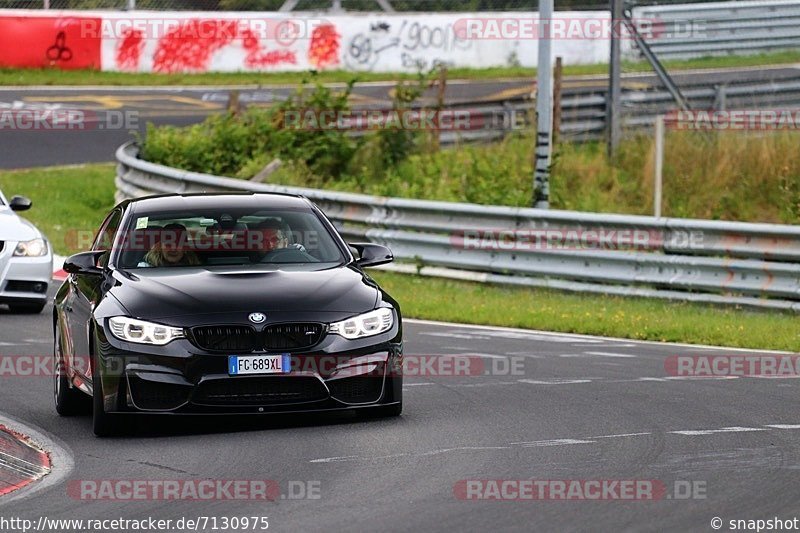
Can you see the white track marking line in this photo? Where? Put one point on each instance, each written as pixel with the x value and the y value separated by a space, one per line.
pixel 483 355
pixel 455 335
pixel 577 336
pixel 612 354
pixel 335 459
pixel 696 432
pixel 784 426
pixel 621 435
pixel 552 442
pixel 463 449
pixel 554 381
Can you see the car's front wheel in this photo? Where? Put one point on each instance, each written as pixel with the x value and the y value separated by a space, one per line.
pixel 103 424
pixel 69 401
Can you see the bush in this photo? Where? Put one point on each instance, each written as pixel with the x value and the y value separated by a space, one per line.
pixel 241 144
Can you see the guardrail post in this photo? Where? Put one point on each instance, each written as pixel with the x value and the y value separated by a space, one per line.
pixel 720 97
pixel 614 98
pixel 659 166
pixel 544 109
pixel 558 78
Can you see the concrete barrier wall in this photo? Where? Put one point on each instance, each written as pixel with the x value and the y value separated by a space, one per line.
pixel 147 41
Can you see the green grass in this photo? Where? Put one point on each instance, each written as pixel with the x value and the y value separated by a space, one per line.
pixel 613 316
pixel 92 77
pixel 69 203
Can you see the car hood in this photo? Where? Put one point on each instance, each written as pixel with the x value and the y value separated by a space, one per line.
pixel 230 296
pixel 14 228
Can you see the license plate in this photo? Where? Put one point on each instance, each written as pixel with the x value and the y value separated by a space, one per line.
pixel 259 364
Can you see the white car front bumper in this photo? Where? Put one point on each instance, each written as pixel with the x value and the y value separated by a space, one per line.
pixel 24 279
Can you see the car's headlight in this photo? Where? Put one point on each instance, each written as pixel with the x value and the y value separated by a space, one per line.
pixel 365 325
pixel 34 248
pixel 141 332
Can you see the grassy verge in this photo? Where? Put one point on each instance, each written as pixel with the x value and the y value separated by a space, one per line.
pixel 613 316
pixel 68 202
pixel 92 77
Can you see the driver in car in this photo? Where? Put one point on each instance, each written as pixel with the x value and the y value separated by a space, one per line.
pixel 274 238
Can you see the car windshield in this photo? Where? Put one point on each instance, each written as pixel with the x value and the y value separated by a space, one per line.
pixel 284 238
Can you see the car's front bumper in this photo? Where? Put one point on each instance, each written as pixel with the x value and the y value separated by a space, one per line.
pixel 24 279
pixel 181 379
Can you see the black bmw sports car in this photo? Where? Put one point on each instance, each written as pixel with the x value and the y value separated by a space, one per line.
pixel 224 303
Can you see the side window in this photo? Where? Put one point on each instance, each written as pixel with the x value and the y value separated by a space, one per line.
pixel 105 237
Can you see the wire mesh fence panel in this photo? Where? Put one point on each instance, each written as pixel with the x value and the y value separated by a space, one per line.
pixel 326 5
pixel 306 5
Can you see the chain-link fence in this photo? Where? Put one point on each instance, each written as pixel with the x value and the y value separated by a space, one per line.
pixel 312 5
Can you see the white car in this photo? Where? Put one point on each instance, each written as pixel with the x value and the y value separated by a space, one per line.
pixel 26 259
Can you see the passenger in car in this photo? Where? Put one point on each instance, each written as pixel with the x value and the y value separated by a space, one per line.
pixel 171 249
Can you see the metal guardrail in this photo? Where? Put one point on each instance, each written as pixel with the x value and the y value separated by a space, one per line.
pixel 723 28
pixel 734 263
pixel 583 112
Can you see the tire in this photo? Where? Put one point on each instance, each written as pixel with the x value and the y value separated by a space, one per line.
pixel 33 308
pixel 103 424
pixel 383 411
pixel 69 401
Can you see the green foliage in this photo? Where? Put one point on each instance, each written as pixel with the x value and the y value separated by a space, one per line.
pixel 69 203
pixel 240 144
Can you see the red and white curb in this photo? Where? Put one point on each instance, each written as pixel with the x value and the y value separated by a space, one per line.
pixel 21 461
pixel 58 268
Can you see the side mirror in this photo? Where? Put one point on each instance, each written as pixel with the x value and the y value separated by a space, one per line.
pixel 20 203
pixel 372 254
pixel 84 263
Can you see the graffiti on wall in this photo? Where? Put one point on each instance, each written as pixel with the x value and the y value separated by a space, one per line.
pixel 191 46
pixel 323 52
pixel 420 46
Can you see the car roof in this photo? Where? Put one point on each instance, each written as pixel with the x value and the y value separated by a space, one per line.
pixel 218 200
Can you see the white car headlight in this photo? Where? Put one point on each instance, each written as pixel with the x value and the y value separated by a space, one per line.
pixel 366 325
pixel 34 248
pixel 141 332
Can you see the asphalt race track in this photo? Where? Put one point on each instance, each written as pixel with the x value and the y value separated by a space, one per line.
pixel 573 408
